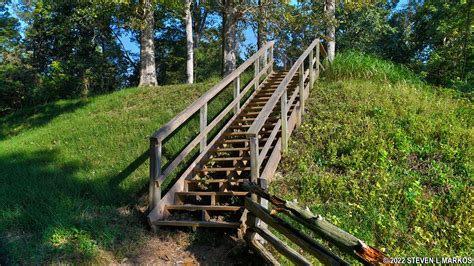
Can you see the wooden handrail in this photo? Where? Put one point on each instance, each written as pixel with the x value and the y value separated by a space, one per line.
pixel 174 123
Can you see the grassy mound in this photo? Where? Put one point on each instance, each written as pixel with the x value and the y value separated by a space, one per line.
pixel 385 158
pixel 72 170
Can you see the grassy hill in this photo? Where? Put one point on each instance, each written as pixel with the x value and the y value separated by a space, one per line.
pixel 72 172
pixel 387 158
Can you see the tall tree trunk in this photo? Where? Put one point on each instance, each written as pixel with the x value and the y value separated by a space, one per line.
pixel 199 15
pixel 229 38
pixel 189 43
pixel 330 9
pixel 261 25
pixel 147 46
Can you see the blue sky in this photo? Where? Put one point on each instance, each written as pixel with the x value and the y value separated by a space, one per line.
pixel 250 36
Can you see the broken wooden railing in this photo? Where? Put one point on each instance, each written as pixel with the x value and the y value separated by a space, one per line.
pixel 346 242
pixel 262 62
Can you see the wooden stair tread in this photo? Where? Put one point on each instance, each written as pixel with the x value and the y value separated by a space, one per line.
pixel 224 169
pixel 197 223
pixel 212 193
pixel 222 180
pixel 203 207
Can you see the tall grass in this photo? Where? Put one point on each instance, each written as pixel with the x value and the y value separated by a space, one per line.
pixel 356 65
pixel 387 160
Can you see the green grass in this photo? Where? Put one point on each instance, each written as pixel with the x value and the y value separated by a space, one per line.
pixel 386 158
pixel 73 171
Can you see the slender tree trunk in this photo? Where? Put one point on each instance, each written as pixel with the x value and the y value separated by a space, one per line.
pixel 199 15
pixel 261 25
pixel 330 9
pixel 147 46
pixel 229 37
pixel 189 43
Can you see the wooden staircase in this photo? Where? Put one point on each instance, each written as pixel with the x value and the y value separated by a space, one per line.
pixel 247 147
pixel 213 197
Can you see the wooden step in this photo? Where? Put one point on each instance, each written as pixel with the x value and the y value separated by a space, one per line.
pixel 223 180
pixel 237 158
pixel 212 193
pixel 203 208
pixel 197 223
pixel 224 169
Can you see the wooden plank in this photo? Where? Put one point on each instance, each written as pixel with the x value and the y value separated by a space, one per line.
pixel 272 163
pixel 224 169
pixel 284 121
pixel 240 180
pixel 269 141
pixel 203 207
pixel 154 190
pixel 202 126
pixel 309 245
pixel 262 252
pixel 237 94
pixel 301 93
pixel 197 224
pixel 212 193
pixel 281 246
pixel 345 241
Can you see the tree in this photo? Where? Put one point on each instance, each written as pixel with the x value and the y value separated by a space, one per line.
pixel 189 43
pixel 261 24
pixel 147 45
pixel 229 36
pixel 330 10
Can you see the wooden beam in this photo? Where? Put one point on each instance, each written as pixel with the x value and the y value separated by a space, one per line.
pixel 309 245
pixel 202 127
pixel 281 247
pixel 316 223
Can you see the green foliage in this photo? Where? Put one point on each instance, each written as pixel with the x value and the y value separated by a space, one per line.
pixel 72 171
pixel 387 159
pixel 363 26
pixel 442 38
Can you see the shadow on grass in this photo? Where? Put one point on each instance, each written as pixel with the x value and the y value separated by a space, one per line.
pixel 50 214
pixel 33 117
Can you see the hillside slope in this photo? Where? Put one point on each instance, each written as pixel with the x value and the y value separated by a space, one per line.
pixel 386 158
pixel 72 173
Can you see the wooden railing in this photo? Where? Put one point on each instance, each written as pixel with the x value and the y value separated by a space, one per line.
pixel 341 239
pixel 287 122
pixel 263 65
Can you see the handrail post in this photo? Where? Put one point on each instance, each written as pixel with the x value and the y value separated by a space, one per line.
pixel 254 169
pixel 284 121
pixel 256 71
pixel 317 58
pixel 270 69
pixel 301 92
pixel 155 171
pixel 236 94
pixel 265 58
pixel 202 126
pixel 311 70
